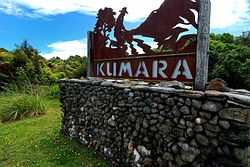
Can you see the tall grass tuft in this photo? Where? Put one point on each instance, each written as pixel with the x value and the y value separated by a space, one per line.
pixel 19 106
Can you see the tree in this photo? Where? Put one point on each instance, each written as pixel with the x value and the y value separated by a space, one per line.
pixel 229 61
pixel 244 39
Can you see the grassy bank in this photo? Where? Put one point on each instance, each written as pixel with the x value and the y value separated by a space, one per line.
pixel 37 141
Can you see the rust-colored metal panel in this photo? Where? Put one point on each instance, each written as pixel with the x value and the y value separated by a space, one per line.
pixel 148 67
pixel 167 26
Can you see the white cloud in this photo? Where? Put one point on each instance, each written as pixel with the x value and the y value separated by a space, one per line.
pixel 225 13
pixel 66 49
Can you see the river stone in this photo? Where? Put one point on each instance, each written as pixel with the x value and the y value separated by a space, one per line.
pixel 200 121
pixel 202 139
pixel 236 114
pixel 160 106
pixel 167 156
pixel 196 104
pixel 188 102
pixel 212 128
pixel 145 123
pixel 235 138
pixel 210 134
pixel 240 154
pixel 170 101
pixel 190 124
pixel 112 121
pixel 240 126
pixel 224 124
pixel 147 162
pixel 194 112
pixel 179 161
pixel 185 110
pixel 214 120
pixel 141 104
pixel 205 115
pixel 153 121
pixel 181 100
pixel 242 99
pixel 212 106
pixel 132 117
pixel 175 149
pixel 153 104
pixel 198 128
pixel 176 111
pixel 188 117
pixel 165 129
pixel 214 142
pixel 172 84
pixel 188 153
pixel 107 83
pixel 190 132
pixel 146 110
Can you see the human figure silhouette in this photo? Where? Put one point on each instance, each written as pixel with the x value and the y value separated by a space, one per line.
pixel 120 31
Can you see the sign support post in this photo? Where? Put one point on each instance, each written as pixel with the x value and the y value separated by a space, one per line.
pixel 90 53
pixel 203 45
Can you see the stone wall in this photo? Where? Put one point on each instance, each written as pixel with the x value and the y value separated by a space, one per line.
pixel 138 124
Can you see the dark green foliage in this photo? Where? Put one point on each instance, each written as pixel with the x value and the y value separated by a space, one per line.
pixel 244 39
pixel 24 65
pixel 225 38
pixel 229 61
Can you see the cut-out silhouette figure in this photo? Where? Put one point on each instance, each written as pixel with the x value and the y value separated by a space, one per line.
pixel 161 25
pixel 119 31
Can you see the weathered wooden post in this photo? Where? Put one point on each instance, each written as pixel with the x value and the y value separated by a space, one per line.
pixel 203 45
pixel 90 53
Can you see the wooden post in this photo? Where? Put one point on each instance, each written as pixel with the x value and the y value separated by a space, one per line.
pixel 90 53
pixel 203 45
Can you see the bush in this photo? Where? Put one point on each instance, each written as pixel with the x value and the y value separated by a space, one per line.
pixel 51 92
pixel 19 106
pixel 231 63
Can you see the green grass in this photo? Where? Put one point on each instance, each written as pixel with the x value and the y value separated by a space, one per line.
pixel 38 142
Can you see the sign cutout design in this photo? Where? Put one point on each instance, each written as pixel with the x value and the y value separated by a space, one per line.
pixel 117 52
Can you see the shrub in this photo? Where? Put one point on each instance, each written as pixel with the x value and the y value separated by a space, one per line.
pixel 19 106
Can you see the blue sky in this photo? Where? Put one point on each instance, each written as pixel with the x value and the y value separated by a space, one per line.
pixel 59 27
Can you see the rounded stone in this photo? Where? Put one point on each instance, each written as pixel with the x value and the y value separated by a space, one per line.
pixel 132 118
pixel 224 124
pixel 147 162
pixel 153 121
pixel 198 128
pixel 214 120
pixel 190 132
pixel 202 139
pixel 145 123
pixel 188 102
pixel 200 121
pixel 212 106
pixel 170 101
pixel 167 156
pixel 153 104
pixel 146 110
pixel 185 110
pixel 205 115
pixel 196 104
pixel 240 154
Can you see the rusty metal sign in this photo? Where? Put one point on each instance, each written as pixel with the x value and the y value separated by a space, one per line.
pixel 116 52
